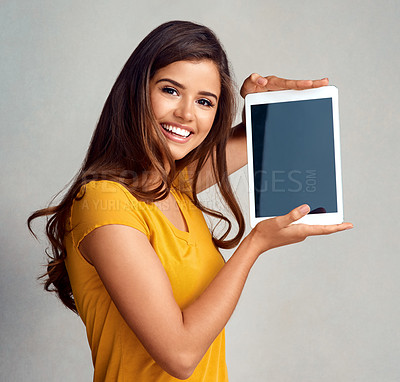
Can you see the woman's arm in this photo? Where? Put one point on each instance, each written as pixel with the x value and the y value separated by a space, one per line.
pixel 138 285
pixel 236 150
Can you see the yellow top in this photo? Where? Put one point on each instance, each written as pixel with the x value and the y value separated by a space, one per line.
pixel 190 260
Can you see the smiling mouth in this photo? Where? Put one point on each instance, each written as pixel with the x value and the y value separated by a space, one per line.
pixel 177 131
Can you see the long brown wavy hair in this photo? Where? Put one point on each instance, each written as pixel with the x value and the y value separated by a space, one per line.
pixel 127 143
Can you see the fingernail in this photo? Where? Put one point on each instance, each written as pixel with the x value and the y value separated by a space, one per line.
pixel 304 209
pixel 262 81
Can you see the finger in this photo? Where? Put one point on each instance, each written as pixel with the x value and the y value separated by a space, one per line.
pixel 277 83
pixel 320 83
pixel 294 215
pixel 258 80
pixel 253 83
pixel 314 230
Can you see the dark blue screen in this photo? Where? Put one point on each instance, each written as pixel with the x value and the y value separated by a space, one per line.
pixel 293 156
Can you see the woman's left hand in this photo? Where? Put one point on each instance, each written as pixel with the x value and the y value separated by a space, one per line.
pixel 256 84
pixel 236 152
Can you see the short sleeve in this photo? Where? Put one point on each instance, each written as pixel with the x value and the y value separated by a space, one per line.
pixel 104 202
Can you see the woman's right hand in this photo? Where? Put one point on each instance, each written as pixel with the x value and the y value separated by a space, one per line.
pixel 280 231
pixel 138 285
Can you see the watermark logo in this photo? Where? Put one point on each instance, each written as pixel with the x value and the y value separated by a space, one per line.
pixel 286 181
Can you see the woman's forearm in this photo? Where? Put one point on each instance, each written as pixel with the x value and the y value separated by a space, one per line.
pixel 207 316
pixel 236 149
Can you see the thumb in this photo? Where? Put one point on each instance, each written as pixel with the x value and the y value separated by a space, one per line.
pixel 251 82
pixel 296 214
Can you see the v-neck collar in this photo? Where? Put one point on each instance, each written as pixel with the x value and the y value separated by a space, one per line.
pixel 185 235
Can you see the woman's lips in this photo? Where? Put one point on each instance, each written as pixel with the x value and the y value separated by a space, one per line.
pixel 175 133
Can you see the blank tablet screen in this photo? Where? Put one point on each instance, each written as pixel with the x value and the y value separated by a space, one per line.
pixel 293 156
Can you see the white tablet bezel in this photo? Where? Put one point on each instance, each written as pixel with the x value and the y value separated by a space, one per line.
pixel 287 96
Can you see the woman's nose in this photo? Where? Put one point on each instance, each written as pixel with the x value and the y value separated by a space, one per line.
pixel 184 110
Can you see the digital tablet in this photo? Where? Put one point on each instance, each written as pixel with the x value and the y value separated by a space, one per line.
pixel 294 154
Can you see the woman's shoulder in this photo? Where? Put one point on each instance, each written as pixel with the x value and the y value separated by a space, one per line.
pixel 106 197
pixel 103 202
pixel 103 188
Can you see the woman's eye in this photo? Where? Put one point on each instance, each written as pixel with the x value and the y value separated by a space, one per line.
pixel 205 102
pixel 169 90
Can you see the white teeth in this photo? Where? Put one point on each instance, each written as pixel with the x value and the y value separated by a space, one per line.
pixel 176 130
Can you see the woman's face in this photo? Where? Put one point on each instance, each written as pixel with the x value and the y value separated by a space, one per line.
pixel 184 96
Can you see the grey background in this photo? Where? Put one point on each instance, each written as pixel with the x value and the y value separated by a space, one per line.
pixel 324 310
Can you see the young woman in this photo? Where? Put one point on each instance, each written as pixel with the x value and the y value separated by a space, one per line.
pixel 132 254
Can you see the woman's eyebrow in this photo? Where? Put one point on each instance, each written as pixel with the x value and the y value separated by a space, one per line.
pixel 208 94
pixel 178 85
